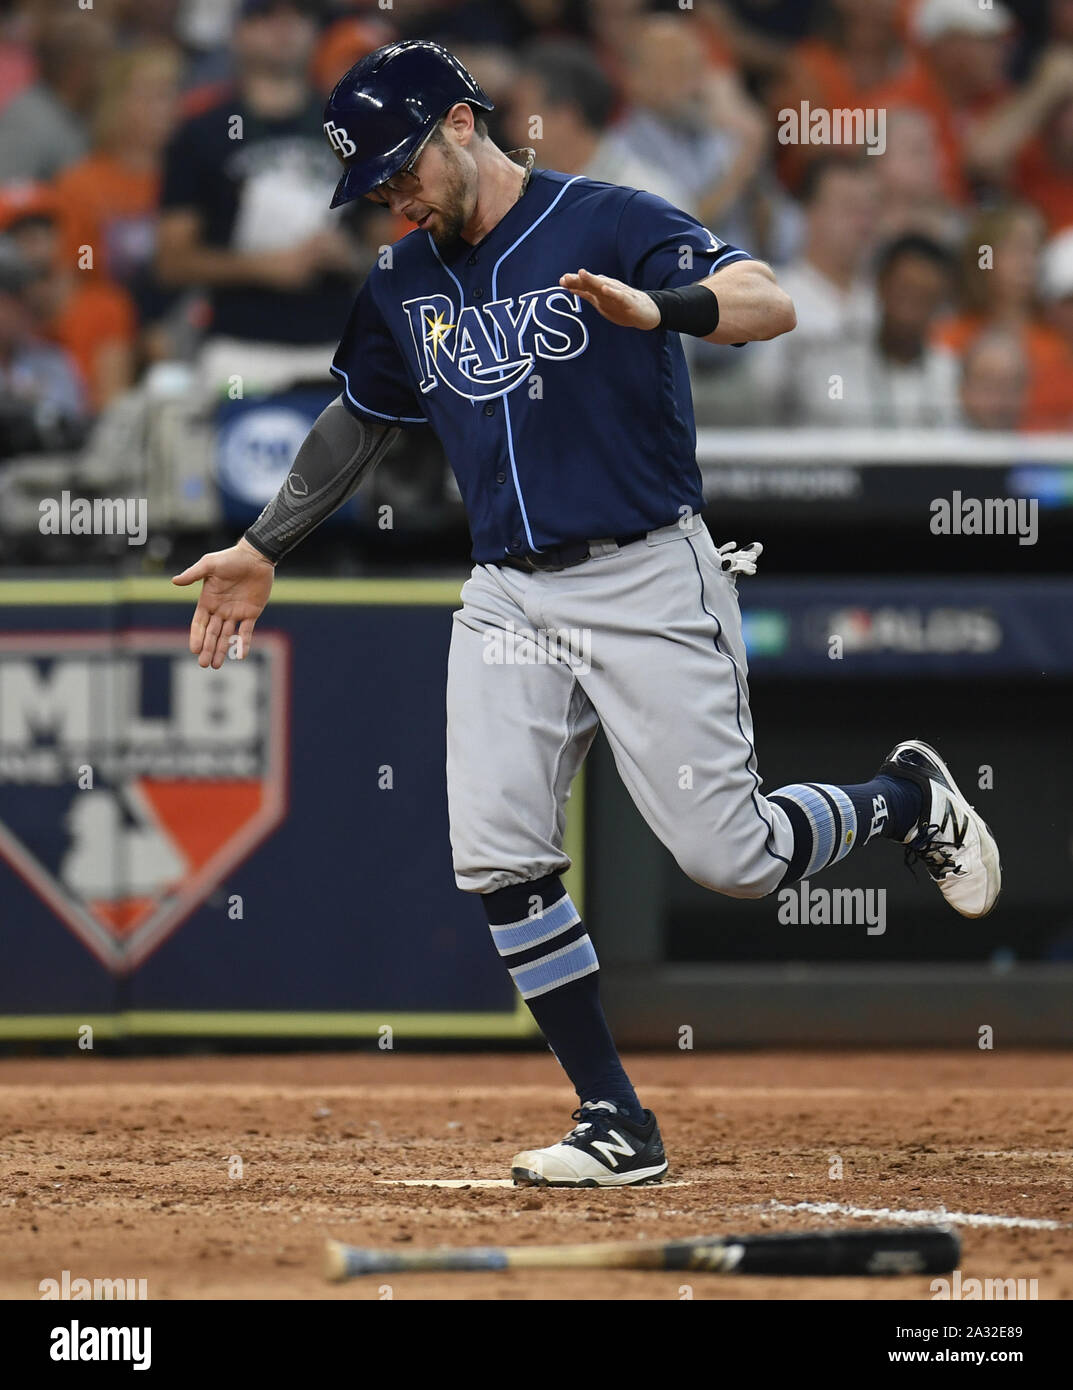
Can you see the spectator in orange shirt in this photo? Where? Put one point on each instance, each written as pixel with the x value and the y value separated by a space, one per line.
pixel 1044 170
pixel 94 320
pixel 999 274
pixel 1028 141
pixel 757 35
pixel 108 201
pixel 860 62
pixel 962 78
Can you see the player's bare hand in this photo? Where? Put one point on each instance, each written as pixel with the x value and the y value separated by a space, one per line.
pixel 620 303
pixel 236 586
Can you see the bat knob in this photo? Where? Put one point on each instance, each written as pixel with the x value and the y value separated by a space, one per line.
pixel 335 1266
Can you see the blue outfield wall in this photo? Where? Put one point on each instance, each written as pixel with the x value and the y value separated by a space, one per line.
pixel 264 850
pixel 271 857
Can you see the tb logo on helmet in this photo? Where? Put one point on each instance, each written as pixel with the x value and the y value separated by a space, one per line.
pixel 339 140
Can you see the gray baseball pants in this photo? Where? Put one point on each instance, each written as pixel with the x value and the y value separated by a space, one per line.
pixel 644 641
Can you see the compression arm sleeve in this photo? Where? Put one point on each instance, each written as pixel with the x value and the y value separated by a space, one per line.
pixel 339 451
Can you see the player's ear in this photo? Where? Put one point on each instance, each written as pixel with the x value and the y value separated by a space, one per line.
pixel 458 123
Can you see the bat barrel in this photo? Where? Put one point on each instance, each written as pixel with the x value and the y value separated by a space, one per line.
pixel 903 1250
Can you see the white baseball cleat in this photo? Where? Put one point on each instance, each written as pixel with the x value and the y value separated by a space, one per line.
pixel 604 1149
pixel 951 840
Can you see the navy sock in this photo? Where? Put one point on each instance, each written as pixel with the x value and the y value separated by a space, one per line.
pixel 892 804
pixel 540 935
pixel 828 821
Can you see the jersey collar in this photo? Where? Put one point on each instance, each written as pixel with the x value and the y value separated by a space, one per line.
pixel 462 250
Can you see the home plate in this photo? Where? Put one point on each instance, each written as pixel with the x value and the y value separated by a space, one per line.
pixel 486 1182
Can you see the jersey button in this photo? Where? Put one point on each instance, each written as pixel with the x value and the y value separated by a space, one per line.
pixel 478 294
pixel 501 477
pixel 489 409
pixel 472 260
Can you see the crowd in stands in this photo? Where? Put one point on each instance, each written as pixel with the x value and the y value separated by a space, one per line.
pixel 165 188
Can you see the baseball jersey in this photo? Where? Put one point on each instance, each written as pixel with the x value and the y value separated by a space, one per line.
pixel 559 425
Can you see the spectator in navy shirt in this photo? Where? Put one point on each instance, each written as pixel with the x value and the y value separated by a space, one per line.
pixel 244 210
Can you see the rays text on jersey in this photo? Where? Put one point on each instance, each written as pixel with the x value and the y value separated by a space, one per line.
pixel 484 351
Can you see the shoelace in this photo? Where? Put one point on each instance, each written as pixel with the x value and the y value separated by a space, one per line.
pixel 741 561
pixel 584 1116
pixel 936 855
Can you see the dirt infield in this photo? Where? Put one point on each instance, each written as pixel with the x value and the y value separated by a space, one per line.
pixel 130 1168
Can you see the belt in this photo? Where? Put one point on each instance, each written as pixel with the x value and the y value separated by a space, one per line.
pixel 561 557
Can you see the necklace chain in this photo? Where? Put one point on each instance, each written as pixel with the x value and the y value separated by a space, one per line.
pixel 530 159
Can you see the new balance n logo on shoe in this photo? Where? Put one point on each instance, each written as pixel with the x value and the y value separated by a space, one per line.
pixel 604 1149
pixel 951 839
pixel 957 832
pixel 609 1150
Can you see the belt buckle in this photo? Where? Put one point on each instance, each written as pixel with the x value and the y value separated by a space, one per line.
pixel 533 563
pixel 552 567
pixel 583 551
pixel 543 569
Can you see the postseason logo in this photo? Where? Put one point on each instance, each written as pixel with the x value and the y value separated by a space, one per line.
pixel 132 781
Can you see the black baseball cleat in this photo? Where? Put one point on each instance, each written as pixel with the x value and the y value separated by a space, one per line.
pixel 951 840
pixel 604 1149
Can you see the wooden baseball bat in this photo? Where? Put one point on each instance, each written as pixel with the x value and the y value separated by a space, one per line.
pixel 905 1250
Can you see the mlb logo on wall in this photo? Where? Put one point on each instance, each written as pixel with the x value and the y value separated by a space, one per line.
pixel 132 781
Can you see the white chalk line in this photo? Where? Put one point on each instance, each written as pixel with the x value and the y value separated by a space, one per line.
pixel 897 1215
pixel 1066 1154
pixel 902 1217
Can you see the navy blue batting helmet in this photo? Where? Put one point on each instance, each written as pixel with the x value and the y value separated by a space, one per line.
pixel 383 108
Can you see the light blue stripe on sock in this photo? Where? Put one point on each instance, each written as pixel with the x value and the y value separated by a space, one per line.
pixel 558 968
pixel 821 821
pixel 531 931
pixel 849 821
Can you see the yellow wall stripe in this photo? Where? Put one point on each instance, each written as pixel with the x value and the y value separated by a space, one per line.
pixel 101 592
pixel 212 1023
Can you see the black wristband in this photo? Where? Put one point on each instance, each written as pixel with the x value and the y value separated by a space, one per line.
pixel 694 309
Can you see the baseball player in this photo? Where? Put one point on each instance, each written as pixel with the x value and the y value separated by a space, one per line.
pixel 534 320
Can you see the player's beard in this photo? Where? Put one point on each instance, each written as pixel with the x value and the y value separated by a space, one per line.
pixel 454 204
